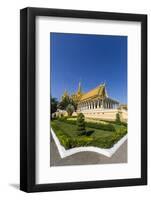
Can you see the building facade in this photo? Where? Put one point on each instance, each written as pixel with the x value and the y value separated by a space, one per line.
pixel 97 104
pixel 97 98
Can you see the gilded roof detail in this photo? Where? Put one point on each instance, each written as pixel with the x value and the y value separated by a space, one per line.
pixel 96 92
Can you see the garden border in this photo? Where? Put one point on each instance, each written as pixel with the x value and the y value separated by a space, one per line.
pixel 106 152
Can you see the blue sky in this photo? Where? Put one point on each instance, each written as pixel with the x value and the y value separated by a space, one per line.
pixel 90 59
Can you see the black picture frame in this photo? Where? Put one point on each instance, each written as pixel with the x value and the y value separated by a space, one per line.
pixel 28 99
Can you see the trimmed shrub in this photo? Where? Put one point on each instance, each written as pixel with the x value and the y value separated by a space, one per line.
pixel 118 120
pixel 81 124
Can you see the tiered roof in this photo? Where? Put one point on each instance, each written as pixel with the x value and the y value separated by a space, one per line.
pixel 99 91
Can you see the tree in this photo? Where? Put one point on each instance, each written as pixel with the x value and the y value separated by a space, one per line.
pixel 70 109
pixel 54 104
pixel 66 100
pixel 118 120
pixel 81 124
pixel 64 103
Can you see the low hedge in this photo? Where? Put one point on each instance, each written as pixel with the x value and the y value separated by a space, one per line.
pixel 105 127
pixel 64 139
pixel 101 126
pixel 78 141
pixel 114 122
pixel 109 141
pixel 71 142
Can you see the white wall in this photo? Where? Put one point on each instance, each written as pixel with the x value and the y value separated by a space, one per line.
pixel 9 98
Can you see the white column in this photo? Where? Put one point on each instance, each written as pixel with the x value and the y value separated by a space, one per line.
pixel 102 103
pixel 94 104
pixel 89 105
pixel 98 104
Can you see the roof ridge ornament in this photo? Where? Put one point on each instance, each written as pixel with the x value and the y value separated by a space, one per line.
pixel 79 87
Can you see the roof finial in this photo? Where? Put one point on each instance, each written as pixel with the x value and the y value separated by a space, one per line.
pixel 79 87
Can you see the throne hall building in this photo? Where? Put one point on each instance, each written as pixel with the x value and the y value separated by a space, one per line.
pixel 97 98
pixel 97 104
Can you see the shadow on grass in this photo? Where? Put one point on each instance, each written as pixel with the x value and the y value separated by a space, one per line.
pixel 88 133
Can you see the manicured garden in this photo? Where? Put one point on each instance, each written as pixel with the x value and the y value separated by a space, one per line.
pixel 73 132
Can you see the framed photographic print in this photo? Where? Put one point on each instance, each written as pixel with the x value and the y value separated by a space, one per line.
pixel 83 99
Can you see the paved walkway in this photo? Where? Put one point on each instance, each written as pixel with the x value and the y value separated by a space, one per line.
pixel 86 158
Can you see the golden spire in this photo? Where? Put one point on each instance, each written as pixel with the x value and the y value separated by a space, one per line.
pixel 105 88
pixel 79 88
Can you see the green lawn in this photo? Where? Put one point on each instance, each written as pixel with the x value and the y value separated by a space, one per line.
pixel 69 138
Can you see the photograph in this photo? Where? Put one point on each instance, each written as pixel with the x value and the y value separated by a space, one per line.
pixel 88 99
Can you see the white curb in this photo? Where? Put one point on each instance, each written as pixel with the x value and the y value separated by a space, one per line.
pixel 106 152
